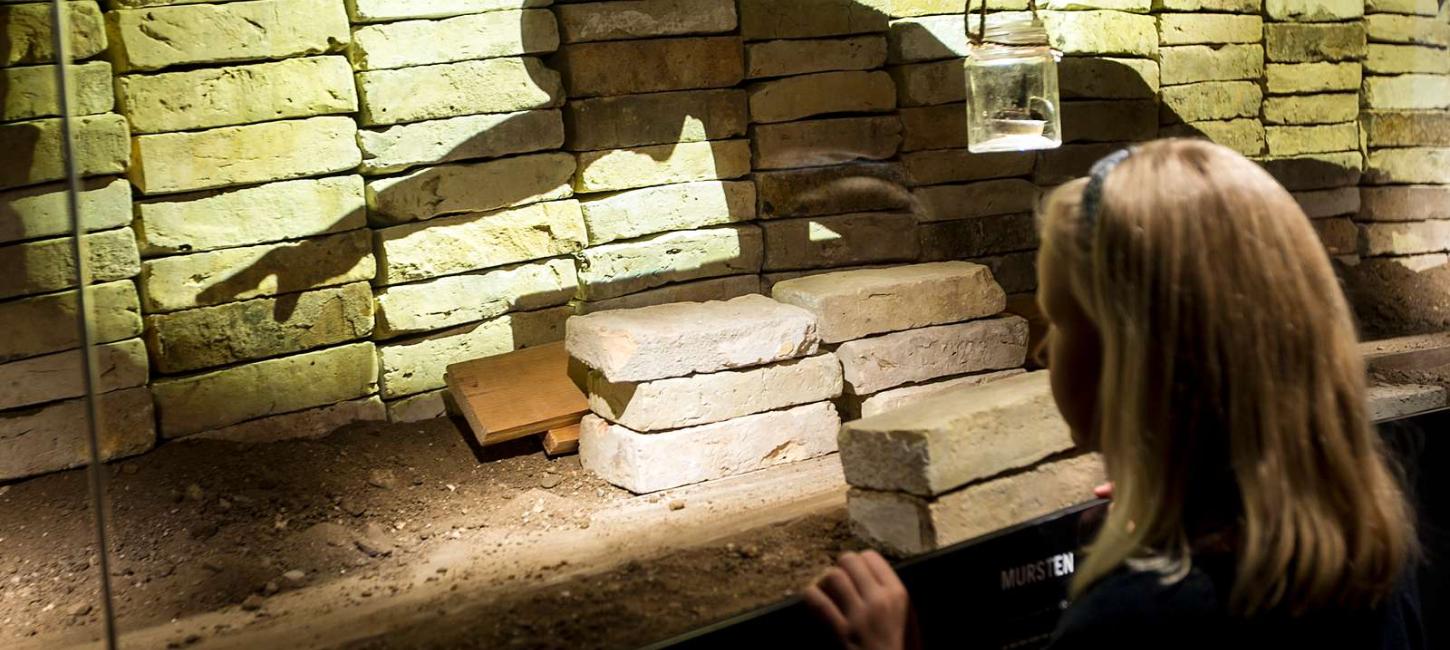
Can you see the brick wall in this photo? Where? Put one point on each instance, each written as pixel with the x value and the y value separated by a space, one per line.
pixel 300 222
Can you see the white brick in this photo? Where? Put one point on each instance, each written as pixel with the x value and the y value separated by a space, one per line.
pixel 1102 32
pixel 1306 11
pixel 53 437
pixel 1246 136
pixel 1312 109
pixel 254 215
pixel 651 210
pixel 241 155
pixel 1319 138
pixel 45 324
pixel 459 299
pixel 31 91
pixel 28 32
pixel 1193 63
pixel 1394 402
pixel 470 187
pixel 929 38
pixel 160 37
pixel 453 89
pixel 423 406
pixel 211 97
pixel 475 241
pixel 59 376
pixel 1214 100
pixel 725 288
pixel 1410 165
pixel 855 304
pixel 1391 28
pixel 1407 92
pixel 1415 7
pixel 463 38
pixel 101 147
pixel 1400 59
pixel 416 365
pixel 1189 29
pixel 40 211
pixel 1405 238
pixel 620 268
pixel 890 400
pixel 622 169
pixel 379 11
pixel 876 364
pixel 1285 78
pixel 48 265
pixel 398 147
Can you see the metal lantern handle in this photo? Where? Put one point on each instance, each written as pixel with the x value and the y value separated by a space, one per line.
pixel 981 35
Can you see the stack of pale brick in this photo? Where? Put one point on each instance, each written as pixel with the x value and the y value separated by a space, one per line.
pixel 256 251
pixel 1211 66
pixel 658 127
pixel 474 220
pixel 41 421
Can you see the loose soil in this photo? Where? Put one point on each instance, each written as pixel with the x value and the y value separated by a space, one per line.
pixel 200 526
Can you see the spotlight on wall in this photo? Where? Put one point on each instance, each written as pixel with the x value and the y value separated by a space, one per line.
pixel 1012 99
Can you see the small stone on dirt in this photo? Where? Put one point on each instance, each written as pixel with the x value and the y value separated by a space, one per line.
pixel 195 493
pixel 352 507
pixel 295 577
pixel 205 531
pixel 223 505
pixel 130 468
pixel 374 541
pixel 271 588
pixel 253 603
pixel 80 609
pixel 211 565
pixel 550 481
pixel 677 504
pixel 383 479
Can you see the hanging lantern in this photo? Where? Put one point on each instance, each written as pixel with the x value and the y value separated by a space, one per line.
pixel 1012 102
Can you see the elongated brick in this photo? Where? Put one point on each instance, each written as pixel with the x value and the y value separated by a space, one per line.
pixel 211 97
pixel 1405 238
pixel 937 166
pixel 1316 171
pixel 52 437
pixel 895 398
pixel 934 127
pixel 653 65
pixel 419 364
pixel 238 155
pixel 470 187
pixel 890 360
pixel 47 265
pixel 401 146
pixel 1402 59
pixel 1424 92
pixel 307 424
pixel 850 305
pixel 31 91
pixel 1409 165
pixel 453 89
pixel 1335 202
pixel 1102 32
pixel 768 19
pixel 1214 100
pixel 987 198
pixel 654 118
pixel 458 299
pixel 45 324
pixel 59 376
pixel 161 37
pixel 599 21
pixel 647 211
pixel 1189 29
pixel 462 38
pixel 1246 136
pixel 928 38
pixel 929 84
pixel 40 211
pixel 830 190
pixel 621 268
pixel 1391 28
pixel 977 236
pixel 1405 203
pixel 33 149
pixel 1287 78
pixel 1307 11
pixel 623 169
pixel 260 214
pixel 796 57
pixel 1306 43
pixel 724 288
pixel 1318 138
pixel 475 241
pixel 381 11
pixel 813 143
pixel 28 30
pixel 1082 77
pixel 840 240
pixel 1312 109
pixel 1109 120
pixel 1406 128
pixel 793 98
pixel 1184 64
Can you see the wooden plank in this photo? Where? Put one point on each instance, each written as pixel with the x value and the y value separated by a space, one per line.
pixel 564 440
pixel 517 394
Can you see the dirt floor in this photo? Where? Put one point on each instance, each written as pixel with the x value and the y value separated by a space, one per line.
pixel 209 538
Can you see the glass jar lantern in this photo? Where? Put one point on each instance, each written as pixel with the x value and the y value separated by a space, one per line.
pixel 1012 100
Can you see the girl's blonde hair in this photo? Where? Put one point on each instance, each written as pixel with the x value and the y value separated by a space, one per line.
pixel 1232 404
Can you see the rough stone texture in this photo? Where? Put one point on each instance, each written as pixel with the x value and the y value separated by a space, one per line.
pixel 1406 128
pixel 470 188
pixel 215 277
pixel 459 299
pixel 52 437
pixel 1191 29
pixel 1107 78
pixel 1416 30
pixel 47 265
pixel 423 406
pixel 903 525
pixel 1405 238
pixel 40 211
pixel 651 210
pixel 890 400
pixel 987 198
pixel 1399 59
pixel 1411 165
pixel 59 376
pixel 959 165
pixel 654 118
pixel 681 402
pixel 813 143
pixel 1109 121
pixel 211 97
pixel 929 38
pixel 832 190
pixel 415 365
pixel 453 89
pixel 152 39
pixel 46 324
pixel 934 127
pixel 1312 109
pixel 308 424
pixel 1407 92
pixel 1102 32
pixel 1216 100
pixel 1016 272
pixel 30 91
pixel 1136 6
pixel 927 84
pixel 1320 138
pixel 598 21
pixel 797 57
pixel 977 237
pixel 794 98
pixel 239 155
pixel 1393 402
pixel 1405 203
pixel 470 242
pixel 1394 296
pixel 399 147
pixel 770 19
pixel 28 32
pixel 220 398
pixel 854 304
pixel 33 149
pixel 960 436
pixel 1287 78
pixel 650 462
pixel 1339 235
pixel 726 288
pixel 621 268
pixel 623 169
pixel 1309 11
pixel 840 240
pixel 462 38
pixel 1245 136
pixel 255 329
pixel 1231 6
pixel 1414 7
pixel 1329 203
pixel 679 339
pixel 1194 63
pixel 254 215
pixel 654 65
pixel 876 364
pixel 1304 43
pixel 1316 171
pixel 378 11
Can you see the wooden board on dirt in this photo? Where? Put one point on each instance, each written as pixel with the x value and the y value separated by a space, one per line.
pixel 564 440
pixel 517 394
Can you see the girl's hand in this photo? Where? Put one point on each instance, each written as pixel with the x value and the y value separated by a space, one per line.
pixel 864 602
pixel 1104 491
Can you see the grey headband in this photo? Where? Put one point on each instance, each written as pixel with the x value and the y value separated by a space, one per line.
pixel 1092 195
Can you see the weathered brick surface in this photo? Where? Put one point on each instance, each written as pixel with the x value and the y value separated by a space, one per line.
pixel 458 299
pixel 1306 11
pixel 832 190
pixel 796 57
pixel 680 402
pixel 428 405
pixel 1417 30
pixel 1406 128
pixel 475 241
pixel 793 98
pixel 210 97
pixel 30 91
pixel 1286 78
pixel 399 147
pixel 598 21
pixel 840 240
pixel 1329 203
pixel 977 237
pixel 928 38
pixel 938 166
pixel 238 155
pixel 33 149
pixel 1082 77
pixel 1109 121
pixel 1319 138
pixel 307 424
pixel 966 434
pixel 220 398
pixel 1214 100
pixel 1245 136
pixel 1405 238
pixel 635 213
pixel 210 336
pixel 652 65
pixel 377 11
pixel 1339 235
pixel 1227 6
pixel 47 265
pixel 28 31
pixel 1401 59
pixel 215 277
pixel 987 198
pixel 1396 402
pixel 929 84
pixel 854 304
pixel 253 215
pixel 933 127
pixel 1316 171
pixel 454 89
pixel 1405 203
pixel 1190 29
pixel 1016 272
pixel 415 365
pixel 890 400
pixel 1102 32
pixel 621 268
pixel 813 143
pixel 726 288
pixel 686 338
pixel 161 37
pixel 462 38
pixel 1194 63
pixel 1409 7
pixel 470 187
pixel 53 437
pixel 768 19
pixel 623 169
pixel 1303 43
pixel 649 462
pixel 1312 109
pixel 890 360
pixel 1406 92
pixel 1410 165
pixel 46 324
pixel 59 376
pixel 654 118
pixel 40 211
